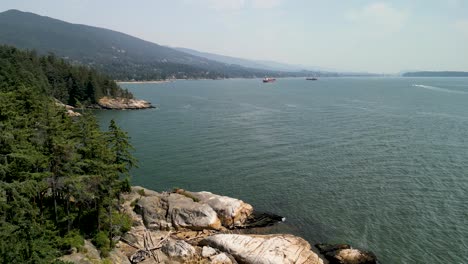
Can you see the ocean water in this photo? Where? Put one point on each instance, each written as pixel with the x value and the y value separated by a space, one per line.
pixel 379 163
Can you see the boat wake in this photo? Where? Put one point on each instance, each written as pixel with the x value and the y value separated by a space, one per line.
pixel 438 89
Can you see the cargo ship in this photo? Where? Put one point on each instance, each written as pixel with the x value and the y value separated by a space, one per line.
pixel 269 80
pixel 311 79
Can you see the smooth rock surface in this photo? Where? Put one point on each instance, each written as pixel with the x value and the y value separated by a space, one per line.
pixel 264 249
pixel 165 211
pixel 232 212
pixel 344 254
pixel 186 213
pixel 208 252
pixel 153 211
pixel 178 249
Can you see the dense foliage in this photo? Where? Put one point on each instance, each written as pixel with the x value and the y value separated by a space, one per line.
pixel 54 77
pixel 60 178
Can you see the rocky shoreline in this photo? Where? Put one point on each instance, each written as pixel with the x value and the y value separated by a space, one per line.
pixel 108 103
pixel 140 82
pixel 200 227
pixel 121 104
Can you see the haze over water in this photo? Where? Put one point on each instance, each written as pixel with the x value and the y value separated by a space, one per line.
pixel 379 163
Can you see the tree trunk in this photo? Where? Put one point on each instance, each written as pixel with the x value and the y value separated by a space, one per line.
pixel 98 213
pixel 80 211
pixel 54 194
pixel 69 222
pixel 110 224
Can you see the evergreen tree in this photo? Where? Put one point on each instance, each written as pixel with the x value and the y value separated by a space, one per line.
pixel 58 175
pixel 54 77
pixel 119 144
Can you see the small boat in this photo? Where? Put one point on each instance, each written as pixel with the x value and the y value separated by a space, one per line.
pixel 311 79
pixel 269 80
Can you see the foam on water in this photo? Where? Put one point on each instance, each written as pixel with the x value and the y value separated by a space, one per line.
pixel 439 89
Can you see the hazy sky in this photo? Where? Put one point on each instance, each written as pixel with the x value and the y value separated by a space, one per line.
pixel 357 35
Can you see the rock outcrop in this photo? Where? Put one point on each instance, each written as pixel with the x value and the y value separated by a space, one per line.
pixel 123 103
pixel 222 258
pixel 232 212
pixel 196 227
pixel 208 252
pixel 72 113
pixel 178 249
pixel 266 249
pixel 345 254
pixel 69 110
pixel 166 211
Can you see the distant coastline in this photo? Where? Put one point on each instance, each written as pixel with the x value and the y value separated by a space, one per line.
pixel 160 81
pixel 436 74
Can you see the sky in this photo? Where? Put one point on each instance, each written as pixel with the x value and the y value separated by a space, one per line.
pixel 348 35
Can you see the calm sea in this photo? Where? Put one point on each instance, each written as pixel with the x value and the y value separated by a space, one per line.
pixel 379 163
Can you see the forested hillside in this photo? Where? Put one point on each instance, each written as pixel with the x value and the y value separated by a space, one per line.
pixel 60 178
pixel 121 56
pixel 54 77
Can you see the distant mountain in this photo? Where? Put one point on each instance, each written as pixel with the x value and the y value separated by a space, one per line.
pixel 260 64
pixel 436 74
pixel 120 55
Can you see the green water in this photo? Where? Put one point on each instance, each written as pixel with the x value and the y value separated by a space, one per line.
pixel 381 164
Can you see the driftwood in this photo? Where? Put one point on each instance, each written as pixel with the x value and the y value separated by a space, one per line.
pixel 147 251
pixel 198 236
pixel 129 243
pixel 150 241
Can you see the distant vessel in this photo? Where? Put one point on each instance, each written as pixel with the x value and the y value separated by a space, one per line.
pixel 268 80
pixel 311 79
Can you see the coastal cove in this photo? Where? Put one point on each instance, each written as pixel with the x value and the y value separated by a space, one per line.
pixel 377 163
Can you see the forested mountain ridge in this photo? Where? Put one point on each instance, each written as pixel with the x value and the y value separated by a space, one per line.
pixel 60 177
pixel 119 55
pixel 54 77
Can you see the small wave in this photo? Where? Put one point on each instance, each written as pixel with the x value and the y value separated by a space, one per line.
pixel 199 97
pixel 442 115
pixel 439 89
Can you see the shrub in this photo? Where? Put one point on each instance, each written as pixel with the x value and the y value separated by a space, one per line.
pixel 141 192
pixel 102 242
pixel 121 223
pixel 107 261
pixel 125 186
pixel 72 240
